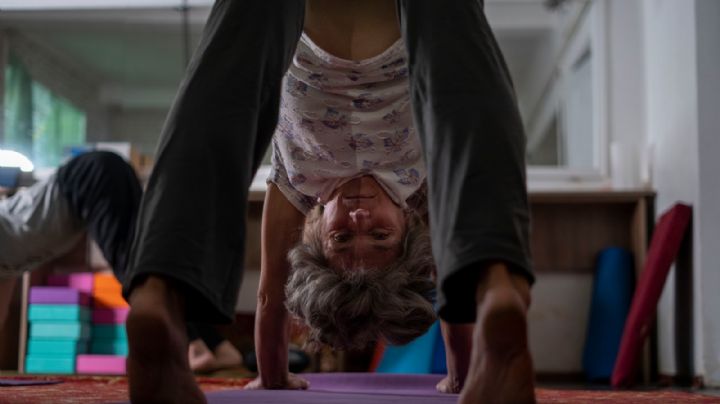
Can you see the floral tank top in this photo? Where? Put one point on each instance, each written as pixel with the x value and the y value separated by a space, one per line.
pixel 342 119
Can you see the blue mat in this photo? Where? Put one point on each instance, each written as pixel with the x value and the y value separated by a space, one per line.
pixel 417 357
pixel 611 297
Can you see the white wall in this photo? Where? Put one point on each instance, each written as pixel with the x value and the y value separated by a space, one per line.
pixel 708 223
pixel 683 94
pixel 672 128
pixel 626 61
pixel 664 90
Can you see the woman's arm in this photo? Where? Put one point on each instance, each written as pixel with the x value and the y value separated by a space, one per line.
pixel 281 230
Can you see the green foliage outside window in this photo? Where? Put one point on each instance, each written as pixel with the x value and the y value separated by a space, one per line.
pixel 38 123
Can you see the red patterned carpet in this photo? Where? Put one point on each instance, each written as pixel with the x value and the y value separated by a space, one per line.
pixel 79 390
pixel 82 389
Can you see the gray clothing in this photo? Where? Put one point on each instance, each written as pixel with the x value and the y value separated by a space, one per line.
pixel 96 193
pixel 36 225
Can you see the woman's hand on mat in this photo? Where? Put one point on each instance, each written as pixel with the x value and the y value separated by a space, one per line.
pixel 449 385
pixel 294 382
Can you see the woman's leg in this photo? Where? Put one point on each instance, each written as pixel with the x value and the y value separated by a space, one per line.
pixel 466 114
pixel 187 255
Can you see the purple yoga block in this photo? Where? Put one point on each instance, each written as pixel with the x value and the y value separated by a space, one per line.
pixel 58 295
pixel 80 281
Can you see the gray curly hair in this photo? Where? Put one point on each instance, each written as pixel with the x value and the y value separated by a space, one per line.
pixel 349 309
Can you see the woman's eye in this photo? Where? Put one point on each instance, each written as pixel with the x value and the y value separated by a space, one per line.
pixel 380 236
pixel 341 237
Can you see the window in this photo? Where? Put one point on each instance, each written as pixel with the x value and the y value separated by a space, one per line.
pixel 38 123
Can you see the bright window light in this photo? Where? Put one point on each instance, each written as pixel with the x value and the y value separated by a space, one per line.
pixel 9 158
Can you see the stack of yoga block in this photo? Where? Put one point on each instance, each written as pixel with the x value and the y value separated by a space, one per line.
pixel 77 325
pixel 59 329
pixel 109 346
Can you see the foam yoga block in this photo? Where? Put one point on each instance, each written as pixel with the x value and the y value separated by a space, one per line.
pixel 101 364
pixel 60 330
pixel 46 364
pixel 80 281
pixel 107 300
pixel 107 283
pixel 58 312
pixel 109 347
pixel 110 316
pixel 664 247
pixel 57 295
pixel 56 347
pixel 109 331
pixel 611 297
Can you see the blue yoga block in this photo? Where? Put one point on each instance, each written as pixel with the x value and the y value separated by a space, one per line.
pixel 109 331
pixel 58 312
pixel 415 357
pixel 56 347
pixel 109 347
pixel 73 330
pixel 47 364
pixel 613 288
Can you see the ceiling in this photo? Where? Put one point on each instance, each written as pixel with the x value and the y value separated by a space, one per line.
pixel 137 55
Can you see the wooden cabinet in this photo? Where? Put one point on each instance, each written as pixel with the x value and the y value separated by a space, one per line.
pixel 569 229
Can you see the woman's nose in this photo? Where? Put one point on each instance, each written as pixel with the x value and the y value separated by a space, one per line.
pixel 359 216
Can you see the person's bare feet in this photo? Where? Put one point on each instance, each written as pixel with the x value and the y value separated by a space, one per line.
pixel 202 360
pixel 157 365
pixel 501 369
pixel 200 357
pixel 227 356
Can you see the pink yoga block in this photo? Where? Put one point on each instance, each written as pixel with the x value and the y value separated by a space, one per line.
pixel 57 295
pixel 100 364
pixel 80 281
pixel 110 316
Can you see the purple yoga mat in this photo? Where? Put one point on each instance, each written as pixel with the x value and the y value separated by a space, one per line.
pixel 346 388
pixel 58 295
pixel 27 382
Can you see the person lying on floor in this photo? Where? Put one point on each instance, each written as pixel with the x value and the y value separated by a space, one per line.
pixel 97 193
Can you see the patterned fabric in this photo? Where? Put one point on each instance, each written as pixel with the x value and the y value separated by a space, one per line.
pixel 342 119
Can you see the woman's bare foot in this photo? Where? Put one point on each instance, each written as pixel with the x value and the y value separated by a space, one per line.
pixel 200 357
pixel 158 370
pixel 501 369
pixel 227 356
pixel 202 360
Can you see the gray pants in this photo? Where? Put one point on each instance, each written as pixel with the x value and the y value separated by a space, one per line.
pixel 192 219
